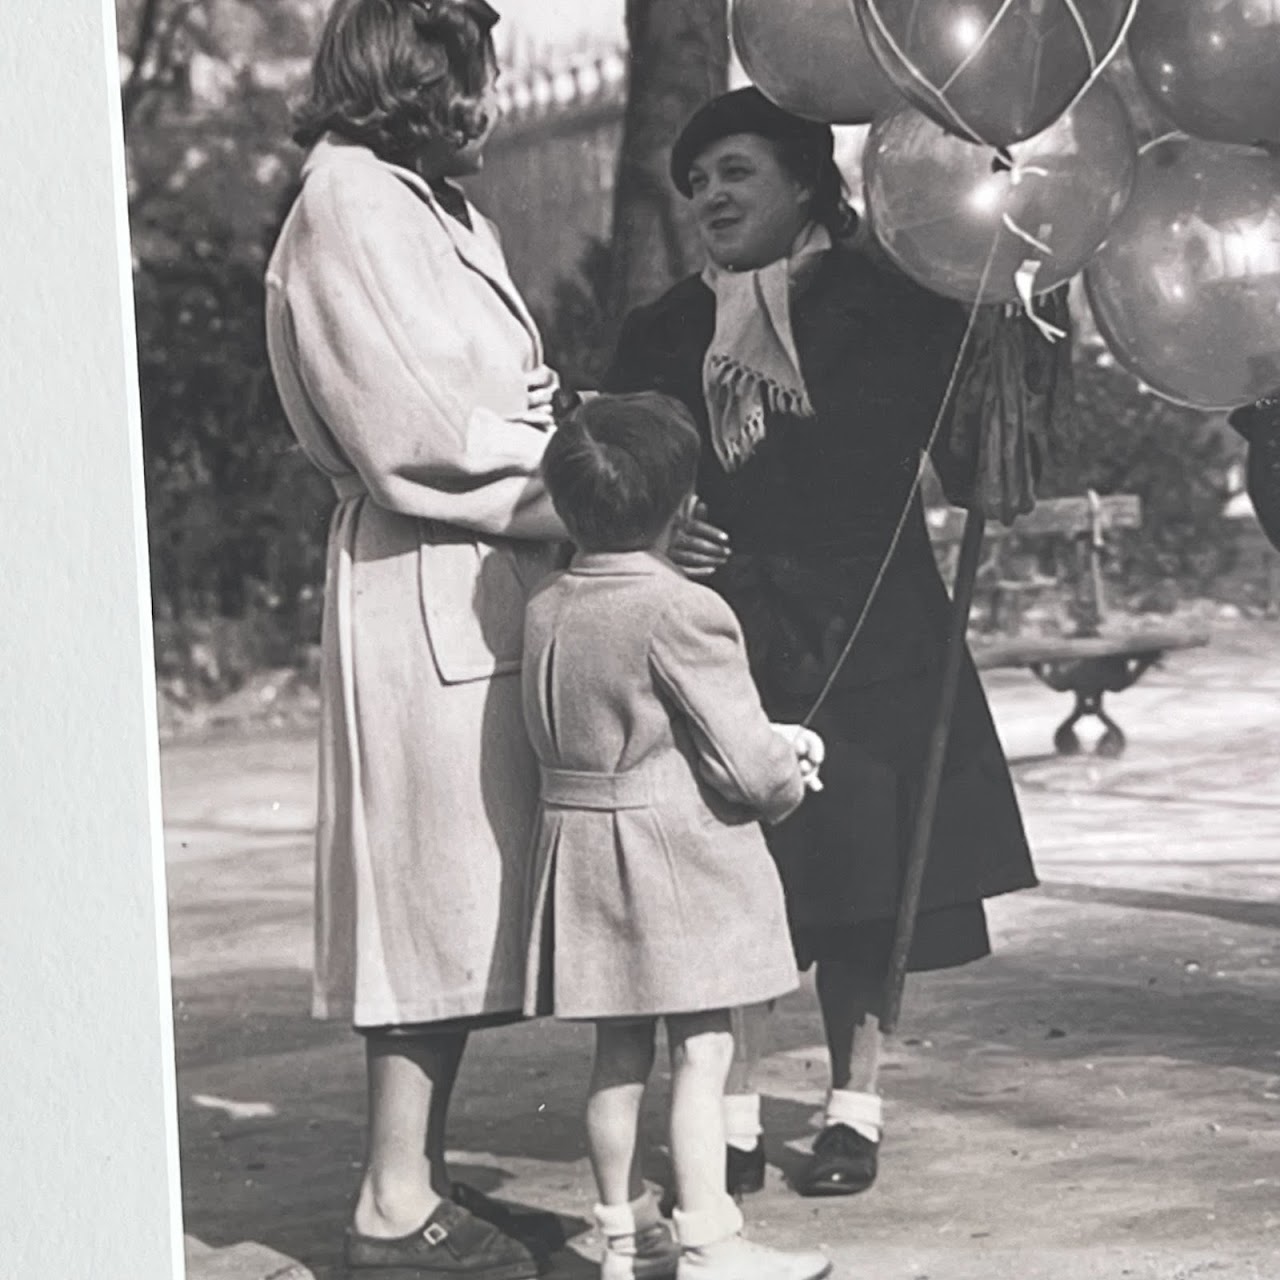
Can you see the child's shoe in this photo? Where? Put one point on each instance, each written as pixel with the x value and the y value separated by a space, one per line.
pixel 638 1244
pixel 712 1247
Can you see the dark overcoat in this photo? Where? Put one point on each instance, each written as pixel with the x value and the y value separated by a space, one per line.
pixel 811 515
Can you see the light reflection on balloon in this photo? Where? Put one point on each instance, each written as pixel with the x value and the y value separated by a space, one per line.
pixel 810 58
pixel 994 71
pixel 1212 66
pixel 1186 290
pixel 951 213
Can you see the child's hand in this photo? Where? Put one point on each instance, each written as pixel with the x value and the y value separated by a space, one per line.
pixel 810 752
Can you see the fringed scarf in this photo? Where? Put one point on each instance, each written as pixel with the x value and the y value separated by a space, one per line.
pixel 752 366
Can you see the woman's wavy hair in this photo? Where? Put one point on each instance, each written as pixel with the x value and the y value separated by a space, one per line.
pixel 401 75
pixel 815 168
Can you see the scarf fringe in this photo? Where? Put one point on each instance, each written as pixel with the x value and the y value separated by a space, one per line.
pixel 754 394
pixel 738 380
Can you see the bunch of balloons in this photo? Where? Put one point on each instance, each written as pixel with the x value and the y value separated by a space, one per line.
pixel 1001 161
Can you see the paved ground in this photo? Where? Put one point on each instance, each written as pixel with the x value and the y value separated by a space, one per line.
pixel 1099 1099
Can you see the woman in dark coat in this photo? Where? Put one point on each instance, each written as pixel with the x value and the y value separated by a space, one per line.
pixel 816 371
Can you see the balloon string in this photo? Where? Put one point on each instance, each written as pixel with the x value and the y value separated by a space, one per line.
pixel 1026 236
pixel 909 503
pixel 1174 135
pixel 1085 38
pixel 978 45
pixel 923 81
pixel 1106 59
pixel 1024 281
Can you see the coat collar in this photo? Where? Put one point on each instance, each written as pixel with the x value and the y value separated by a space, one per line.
pixel 625 564
pixel 477 247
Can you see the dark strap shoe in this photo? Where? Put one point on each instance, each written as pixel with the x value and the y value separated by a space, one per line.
pixel 843 1163
pixel 451 1245
pixel 540 1232
pixel 744 1170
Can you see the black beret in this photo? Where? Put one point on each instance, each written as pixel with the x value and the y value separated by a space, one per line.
pixel 745 111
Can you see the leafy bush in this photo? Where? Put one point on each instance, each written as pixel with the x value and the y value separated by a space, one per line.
pixel 1176 460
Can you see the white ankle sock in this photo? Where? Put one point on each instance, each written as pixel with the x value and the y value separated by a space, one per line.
pixel 616 1220
pixel 862 1112
pixel 709 1226
pixel 742 1120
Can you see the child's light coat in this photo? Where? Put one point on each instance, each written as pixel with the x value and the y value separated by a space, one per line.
pixel 654 891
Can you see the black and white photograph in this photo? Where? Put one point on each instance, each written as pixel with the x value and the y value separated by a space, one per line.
pixel 714 599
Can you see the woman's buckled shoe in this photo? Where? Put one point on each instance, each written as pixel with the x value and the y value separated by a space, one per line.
pixel 451 1245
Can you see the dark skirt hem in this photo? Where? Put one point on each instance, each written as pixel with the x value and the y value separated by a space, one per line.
pixel 945 938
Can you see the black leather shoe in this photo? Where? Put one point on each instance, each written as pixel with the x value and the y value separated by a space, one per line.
pixel 843 1163
pixel 451 1245
pixel 540 1232
pixel 744 1170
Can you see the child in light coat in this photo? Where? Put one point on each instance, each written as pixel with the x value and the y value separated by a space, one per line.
pixel 654 893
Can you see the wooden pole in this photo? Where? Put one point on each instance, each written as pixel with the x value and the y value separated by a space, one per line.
pixel 918 854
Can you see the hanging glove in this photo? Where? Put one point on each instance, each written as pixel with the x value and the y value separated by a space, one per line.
pixel 1259 424
pixel 1013 397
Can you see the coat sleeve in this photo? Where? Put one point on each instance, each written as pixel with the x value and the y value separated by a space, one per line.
pixel 631 368
pixel 699 660
pixel 387 369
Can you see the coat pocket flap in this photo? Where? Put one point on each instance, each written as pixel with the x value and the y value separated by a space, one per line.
pixel 473 596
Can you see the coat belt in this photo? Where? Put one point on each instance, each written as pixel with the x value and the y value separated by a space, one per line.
pixel 574 789
pixel 349 485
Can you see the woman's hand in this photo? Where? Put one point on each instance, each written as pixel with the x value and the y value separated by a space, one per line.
pixel 541 385
pixel 698 548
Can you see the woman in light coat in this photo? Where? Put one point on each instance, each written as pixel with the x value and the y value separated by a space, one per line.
pixel 412 375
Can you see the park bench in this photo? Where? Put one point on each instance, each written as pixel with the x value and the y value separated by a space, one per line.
pixel 1098 657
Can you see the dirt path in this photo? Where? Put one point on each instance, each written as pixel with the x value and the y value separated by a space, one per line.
pixel 1101 1098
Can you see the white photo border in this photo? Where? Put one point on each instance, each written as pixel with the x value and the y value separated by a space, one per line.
pixel 89 1126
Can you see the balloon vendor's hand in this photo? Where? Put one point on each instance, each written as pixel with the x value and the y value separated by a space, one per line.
pixel 698 548
pixel 810 752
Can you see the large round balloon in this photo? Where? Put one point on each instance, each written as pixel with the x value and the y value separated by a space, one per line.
pixel 1186 291
pixel 810 58
pixel 964 221
pixel 993 71
pixel 1212 66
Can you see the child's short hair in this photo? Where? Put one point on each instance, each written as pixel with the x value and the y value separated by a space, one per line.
pixel 618 468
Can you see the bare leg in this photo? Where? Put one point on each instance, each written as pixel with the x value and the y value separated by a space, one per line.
pixel 850 998
pixel 845 1153
pixel 410 1082
pixel 701 1052
pixel 438 1120
pixel 623 1061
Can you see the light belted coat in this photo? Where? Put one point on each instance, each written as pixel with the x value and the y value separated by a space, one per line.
pixel 401 351
pixel 654 891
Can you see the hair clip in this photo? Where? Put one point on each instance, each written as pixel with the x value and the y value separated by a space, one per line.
pixel 483 12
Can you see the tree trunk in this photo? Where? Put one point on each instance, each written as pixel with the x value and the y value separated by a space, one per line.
pixel 679 58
